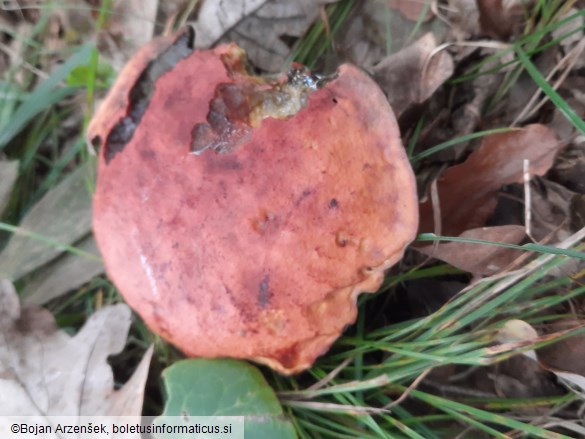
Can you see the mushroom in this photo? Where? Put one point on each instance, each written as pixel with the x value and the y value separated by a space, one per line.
pixel 241 216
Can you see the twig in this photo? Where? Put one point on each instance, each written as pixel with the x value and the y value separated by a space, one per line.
pixel 330 407
pixel 527 199
pixel 331 375
pixel 409 389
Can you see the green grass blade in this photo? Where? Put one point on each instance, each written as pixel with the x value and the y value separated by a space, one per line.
pixel 50 242
pixel 457 140
pixel 485 416
pixel 538 248
pixel 43 96
pixel 556 99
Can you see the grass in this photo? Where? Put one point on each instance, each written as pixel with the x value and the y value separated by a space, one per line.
pixel 377 381
pixel 463 332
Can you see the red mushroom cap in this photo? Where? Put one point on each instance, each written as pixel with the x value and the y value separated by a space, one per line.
pixel 257 246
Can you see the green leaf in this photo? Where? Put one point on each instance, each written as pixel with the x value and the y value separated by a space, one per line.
pixel 80 75
pixel 203 387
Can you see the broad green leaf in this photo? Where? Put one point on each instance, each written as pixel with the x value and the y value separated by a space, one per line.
pixel 203 387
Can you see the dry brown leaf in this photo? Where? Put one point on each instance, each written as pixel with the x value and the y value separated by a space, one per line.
pixel 373 31
pixel 215 19
pixel 470 115
pixel 501 18
pixel 46 372
pixel 64 274
pixel 413 74
pixel 261 32
pixel 574 29
pixel 569 168
pixel 8 176
pixel 413 9
pixel 130 26
pixel 554 211
pixel 565 358
pixel 479 259
pixel 464 18
pixel 467 191
pixel 359 43
pixel 551 211
pixel 573 90
pixel 136 19
pixel 63 215
pixel 519 376
pixel 522 377
pixel 566 355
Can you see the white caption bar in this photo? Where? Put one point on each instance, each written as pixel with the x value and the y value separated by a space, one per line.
pixel 121 427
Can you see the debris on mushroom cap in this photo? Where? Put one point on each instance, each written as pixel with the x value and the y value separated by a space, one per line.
pixel 257 245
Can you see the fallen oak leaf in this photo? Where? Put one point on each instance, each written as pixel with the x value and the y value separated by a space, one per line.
pixel 216 18
pixel 63 215
pixel 467 192
pixel 130 25
pixel 413 74
pixel 500 18
pixel 479 259
pixel 568 353
pixel 372 31
pixel 262 34
pixel 67 272
pixel 45 372
pixel 570 32
pixel 464 18
pixel 563 357
pixel 413 10
pixel 521 376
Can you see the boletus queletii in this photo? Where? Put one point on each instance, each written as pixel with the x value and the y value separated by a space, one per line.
pixel 241 216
